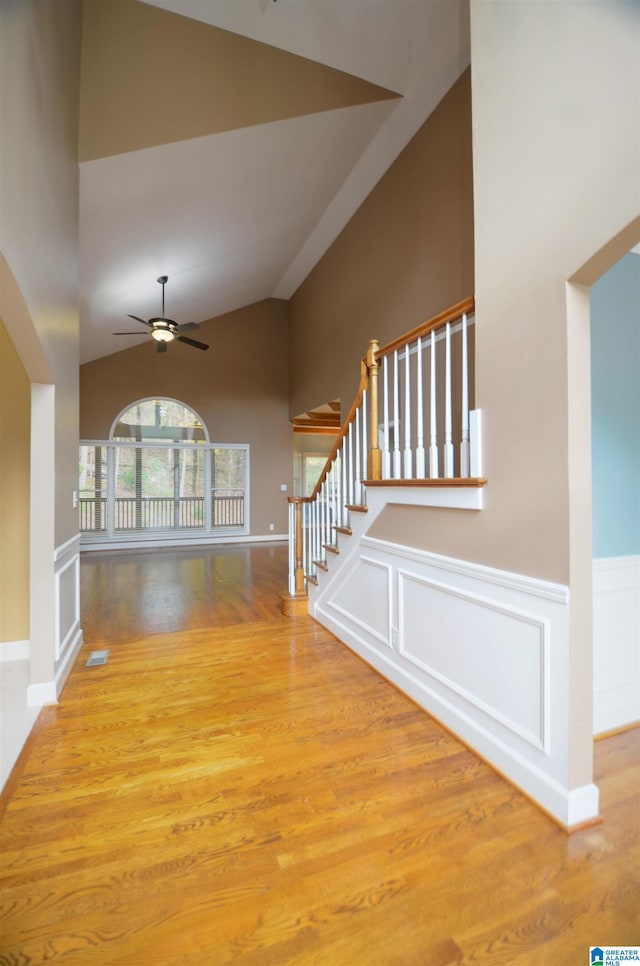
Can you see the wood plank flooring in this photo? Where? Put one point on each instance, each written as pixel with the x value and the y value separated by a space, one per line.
pixel 234 786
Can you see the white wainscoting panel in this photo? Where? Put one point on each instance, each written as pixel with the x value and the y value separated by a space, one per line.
pixel 616 642
pixel 364 597
pixel 483 650
pixel 502 668
pixel 67 597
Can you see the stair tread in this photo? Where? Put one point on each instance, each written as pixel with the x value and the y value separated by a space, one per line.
pixel 357 507
pixel 346 530
pixel 331 547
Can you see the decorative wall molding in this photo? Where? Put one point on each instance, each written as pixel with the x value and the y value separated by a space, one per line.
pixel 14 651
pixel 70 548
pixel 369 606
pixel 481 683
pixel 66 596
pixel 447 497
pixel 616 642
pixel 532 586
pixel 484 651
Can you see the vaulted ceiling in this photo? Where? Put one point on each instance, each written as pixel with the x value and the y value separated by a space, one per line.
pixel 226 143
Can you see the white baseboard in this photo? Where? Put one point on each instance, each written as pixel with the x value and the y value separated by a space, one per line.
pixel 616 642
pixel 92 544
pixel 44 692
pixel 14 651
pixel 48 692
pixel 484 651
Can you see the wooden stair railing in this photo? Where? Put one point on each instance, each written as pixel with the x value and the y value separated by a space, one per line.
pixel 424 380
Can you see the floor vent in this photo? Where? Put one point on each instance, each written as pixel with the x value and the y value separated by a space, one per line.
pixel 97 657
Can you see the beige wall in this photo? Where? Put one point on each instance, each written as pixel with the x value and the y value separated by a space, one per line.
pixel 39 79
pixel 39 76
pixel 166 61
pixel 14 494
pixel 405 255
pixel 239 387
pixel 556 140
pixel 556 164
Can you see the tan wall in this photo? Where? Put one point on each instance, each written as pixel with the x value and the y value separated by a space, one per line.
pixel 14 494
pixel 240 388
pixel 556 162
pixel 165 61
pixel 405 255
pixel 39 77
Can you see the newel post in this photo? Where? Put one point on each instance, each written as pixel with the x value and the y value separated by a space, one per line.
pixel 374 456
pixel 296 601
pixel 299 563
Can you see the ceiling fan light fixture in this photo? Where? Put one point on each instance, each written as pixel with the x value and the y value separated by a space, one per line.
pixel 162 333
pixel 164 330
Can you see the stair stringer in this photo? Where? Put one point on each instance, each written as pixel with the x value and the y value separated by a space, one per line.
pixel 359 523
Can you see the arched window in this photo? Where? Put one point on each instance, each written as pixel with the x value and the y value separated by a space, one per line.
pixel 160 420
pixel 159 478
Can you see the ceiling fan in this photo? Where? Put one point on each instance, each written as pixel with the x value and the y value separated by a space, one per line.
pixel 165 330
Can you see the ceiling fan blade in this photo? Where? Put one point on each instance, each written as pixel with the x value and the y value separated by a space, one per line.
pixel 161 346
pixel 196 345
pixel 128 333
pixel 188 326
pixel 138 319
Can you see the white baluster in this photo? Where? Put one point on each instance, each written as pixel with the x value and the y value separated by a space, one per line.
pixel 386 453
pixel 351 474
pixel 433 415
pixel 357 487
pixel 448 438
pixel 306 562
pixel 420 454
pixel 327 514
pixel 314 530
pixel 317 530
pixel 292 550
pixel 408 453
pixel 331 476
pixel 465 451
pixel 365 437
pixel 397 458
pixel 344 494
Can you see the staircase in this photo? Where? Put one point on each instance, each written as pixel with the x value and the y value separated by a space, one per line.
pixel 411 435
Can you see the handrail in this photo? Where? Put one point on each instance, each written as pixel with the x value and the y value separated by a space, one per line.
pixel 449 315
pixel 344 429
pixel 413 371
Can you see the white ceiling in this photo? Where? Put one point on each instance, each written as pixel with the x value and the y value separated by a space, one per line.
pixel 243 215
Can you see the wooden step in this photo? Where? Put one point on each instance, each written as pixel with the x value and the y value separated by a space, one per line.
pixel 357 507
pixel 312 580
pixel 331 547
pixel 346 530
pixel 321 564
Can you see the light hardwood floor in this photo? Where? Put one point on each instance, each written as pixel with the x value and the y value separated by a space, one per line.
pixel 234 786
